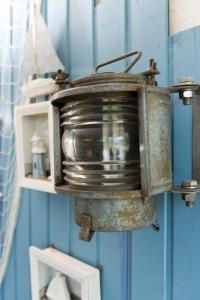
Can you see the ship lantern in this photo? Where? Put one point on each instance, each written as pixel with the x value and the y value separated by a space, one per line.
pixel 112 147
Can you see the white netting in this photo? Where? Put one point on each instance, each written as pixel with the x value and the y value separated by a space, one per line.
pixel 13 26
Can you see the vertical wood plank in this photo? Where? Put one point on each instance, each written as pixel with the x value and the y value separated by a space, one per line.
pixel 39 219
pixel 59 222
pixel 8 289
pixel 110 33
pixel 148 31
pixel 80 39
pixel 23 237
pixel 186 221
pixel 57 20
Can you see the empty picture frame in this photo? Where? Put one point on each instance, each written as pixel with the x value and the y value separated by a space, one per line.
pixel 83 280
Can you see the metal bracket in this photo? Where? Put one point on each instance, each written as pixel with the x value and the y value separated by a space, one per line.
pixel 86 233
pixel 60 78
pixel 151 72
pixel 187 88
pixel 188 190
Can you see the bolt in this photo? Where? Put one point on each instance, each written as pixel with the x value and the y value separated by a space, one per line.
pixel 189 197
pixel 189 183
pixel 186 96
pixel 190 204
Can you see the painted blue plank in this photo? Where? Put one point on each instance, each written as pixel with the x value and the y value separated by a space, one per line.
pixel 57 13
pixel 184 62
pixel 80 39
pixel 186 221
pixel 148 260
pixel 39 229
pixel 8 290
pixel 59 222
pixel 23 236
pixel 148 31
pixel 110 33
pixel 112 258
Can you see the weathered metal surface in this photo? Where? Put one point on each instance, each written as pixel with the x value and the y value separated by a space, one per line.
pixel 86 231
pixel 146 77
pixel 117 193
pixel 109 78
pixel 115 215
pixel 56 143
pixel 155 145
pixel 111 88
pixel 121 206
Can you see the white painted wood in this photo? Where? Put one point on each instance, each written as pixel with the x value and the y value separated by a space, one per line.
pixel 38 185
pixel 184 14
pixel 83 279
pixel 37 117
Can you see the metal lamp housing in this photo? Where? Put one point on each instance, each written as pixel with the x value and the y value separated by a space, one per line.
pixel 112 149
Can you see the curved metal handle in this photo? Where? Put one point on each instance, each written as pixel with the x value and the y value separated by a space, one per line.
pixel 138 52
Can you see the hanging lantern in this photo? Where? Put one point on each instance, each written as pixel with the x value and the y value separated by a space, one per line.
pixel 114 130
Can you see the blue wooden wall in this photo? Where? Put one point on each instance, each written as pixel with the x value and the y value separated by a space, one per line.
pixel 139 265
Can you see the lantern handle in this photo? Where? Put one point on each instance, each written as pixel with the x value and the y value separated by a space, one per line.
pixel 137 52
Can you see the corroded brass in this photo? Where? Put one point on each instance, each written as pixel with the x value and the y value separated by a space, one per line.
pixel 115 133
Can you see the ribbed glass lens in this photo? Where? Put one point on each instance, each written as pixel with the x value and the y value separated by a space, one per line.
pixel 100 143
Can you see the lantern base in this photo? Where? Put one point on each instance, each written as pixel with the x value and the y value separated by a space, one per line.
pixel 112 215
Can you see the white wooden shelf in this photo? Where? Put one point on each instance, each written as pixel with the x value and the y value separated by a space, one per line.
pixel 37 184
pixel 31 118
pixel 83 280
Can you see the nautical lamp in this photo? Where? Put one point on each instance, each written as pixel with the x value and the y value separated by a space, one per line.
pixel 112 146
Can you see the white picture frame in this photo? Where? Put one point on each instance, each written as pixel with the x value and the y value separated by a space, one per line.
pixel 83 279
